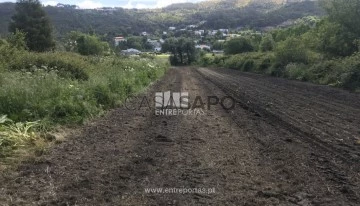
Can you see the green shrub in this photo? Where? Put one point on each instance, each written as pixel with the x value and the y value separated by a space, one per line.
pixel 292 50
pixel 296 71
pixel 248 65
pixel 265 64
pixel 338 72
pixel 267 43
pixel 238 45
pixel 276 70
pixel 206 60
pixel 254 61
pixel 350 78
pixel 67 65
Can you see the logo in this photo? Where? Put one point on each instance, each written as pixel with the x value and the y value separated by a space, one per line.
pixel 179 103
pixel 175 103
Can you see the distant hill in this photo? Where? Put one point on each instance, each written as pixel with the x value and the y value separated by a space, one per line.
pixel 214 14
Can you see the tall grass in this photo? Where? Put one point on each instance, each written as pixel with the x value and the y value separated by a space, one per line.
pixel 341 72
pixel 66 89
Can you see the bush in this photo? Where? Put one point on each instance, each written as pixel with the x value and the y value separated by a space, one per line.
pixel 267 43
pixel 335 39
pixel 248 65
pixel 91 45
pixel 296 71
pixel 255 62
pixel 67 65
pixel 338 72
pixel 350 75
pixel 265 64
pixel 291 50
pixel 238 45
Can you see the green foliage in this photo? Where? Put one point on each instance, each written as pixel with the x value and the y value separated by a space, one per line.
pixel 294 31
pixel 267 43
pixel 182 50
pixel 41 93
pixel 296 71
pixel 334 39
pixel 338 72
pixel 292 50
pixel 238 45
pixel 255 62
pixel 345 13
pixel 85 44
pixel 91 45
pixel 321 51
pixel 135 42
pixel 217 45
pixel 17 40
pixel 66 65
pixel 31 19
pixel 224 14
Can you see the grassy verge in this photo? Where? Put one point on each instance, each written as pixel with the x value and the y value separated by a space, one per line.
pixel 340 72
pixel 41 91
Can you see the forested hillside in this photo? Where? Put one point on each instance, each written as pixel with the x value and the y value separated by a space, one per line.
pixel 215 14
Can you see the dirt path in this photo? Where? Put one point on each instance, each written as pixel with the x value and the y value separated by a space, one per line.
pixel 285 143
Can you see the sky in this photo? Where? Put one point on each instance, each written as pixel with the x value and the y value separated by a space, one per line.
pixel 89 4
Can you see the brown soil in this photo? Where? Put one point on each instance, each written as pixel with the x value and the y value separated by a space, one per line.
pixel 285 143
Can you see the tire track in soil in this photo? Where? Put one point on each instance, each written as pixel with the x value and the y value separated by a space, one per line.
pixel 245 158
pixel 318 134
pixel 326 112
pixel 333 164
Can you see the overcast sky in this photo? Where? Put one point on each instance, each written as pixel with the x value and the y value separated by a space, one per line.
pixel 140 4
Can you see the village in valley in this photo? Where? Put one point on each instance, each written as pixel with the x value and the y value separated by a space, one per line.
pixel 206 40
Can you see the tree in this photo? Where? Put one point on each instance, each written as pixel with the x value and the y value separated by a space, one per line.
pixel 292 50
pixel 189 49
pixel 335 39
pixel 91 45
pixel 182 50
pixel 340 32
pixel 31 19
pixel 218 45
pixel 267 43
pixel 344 12
pixel 238 45
pixel 85 44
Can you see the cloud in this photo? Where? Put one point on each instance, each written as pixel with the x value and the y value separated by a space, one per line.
pixel 50 3
pixel 89 4
pixel 141 4
pixel 161 3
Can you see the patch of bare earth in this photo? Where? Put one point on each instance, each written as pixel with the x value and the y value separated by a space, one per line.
pixel 285 143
